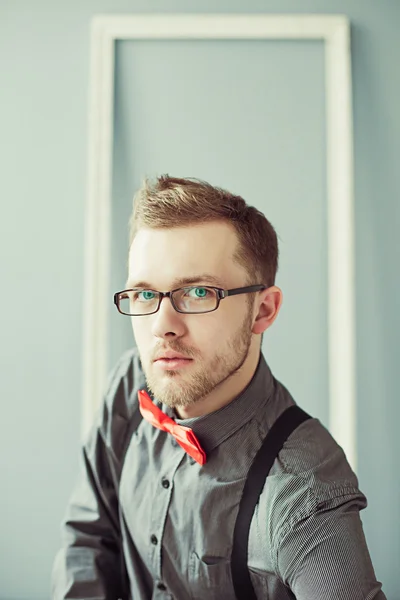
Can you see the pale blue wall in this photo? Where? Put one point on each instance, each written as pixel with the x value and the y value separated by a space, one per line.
pixel 43 125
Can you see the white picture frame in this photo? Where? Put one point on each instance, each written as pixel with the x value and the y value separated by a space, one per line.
pixel 334 31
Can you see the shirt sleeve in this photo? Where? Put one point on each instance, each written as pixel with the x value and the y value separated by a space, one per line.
pixel 90 564
pixel 325 554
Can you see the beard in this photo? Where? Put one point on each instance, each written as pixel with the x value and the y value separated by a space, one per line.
pixel 177 391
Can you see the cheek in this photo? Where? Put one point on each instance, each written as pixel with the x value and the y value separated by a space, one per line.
pixel 141 332
pixel 212 331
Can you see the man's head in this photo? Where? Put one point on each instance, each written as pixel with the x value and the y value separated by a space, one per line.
pixel 185 228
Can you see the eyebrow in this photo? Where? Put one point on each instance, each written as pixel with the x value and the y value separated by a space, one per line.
pixel 179 281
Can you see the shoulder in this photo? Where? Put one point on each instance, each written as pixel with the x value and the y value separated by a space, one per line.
pixel 126 377
pixel 310 475
pixel 311 452
pixel 310 472
pixel 120 398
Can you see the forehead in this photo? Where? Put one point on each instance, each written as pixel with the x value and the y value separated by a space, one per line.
pixel 162 256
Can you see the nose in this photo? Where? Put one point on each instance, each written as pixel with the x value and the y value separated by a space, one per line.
pixel 167 321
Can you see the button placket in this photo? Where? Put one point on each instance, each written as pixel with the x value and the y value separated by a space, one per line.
pixel 161 586
pixel 160 516
pixel 161 592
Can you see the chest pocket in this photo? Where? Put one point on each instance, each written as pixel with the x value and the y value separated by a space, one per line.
pixel 210 577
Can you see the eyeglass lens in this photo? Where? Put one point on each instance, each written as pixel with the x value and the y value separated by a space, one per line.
pixel 189 299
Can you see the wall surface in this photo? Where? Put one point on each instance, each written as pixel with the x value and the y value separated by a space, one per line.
pixel 44 52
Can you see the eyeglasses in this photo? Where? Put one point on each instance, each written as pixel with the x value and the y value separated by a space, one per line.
pixel 193 299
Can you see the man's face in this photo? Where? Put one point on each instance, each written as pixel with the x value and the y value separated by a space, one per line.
pixel 217 342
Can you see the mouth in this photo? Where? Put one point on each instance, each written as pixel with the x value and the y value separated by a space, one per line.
pixel 173 363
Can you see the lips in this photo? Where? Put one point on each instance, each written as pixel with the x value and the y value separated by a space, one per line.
pixel 172 363
pixel 172 356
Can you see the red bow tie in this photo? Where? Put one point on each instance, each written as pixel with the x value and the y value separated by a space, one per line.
pixel 183 435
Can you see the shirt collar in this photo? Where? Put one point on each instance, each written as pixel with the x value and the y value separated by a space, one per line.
pixel 212 429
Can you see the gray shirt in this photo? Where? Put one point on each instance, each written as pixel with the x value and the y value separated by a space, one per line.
pixel 170 520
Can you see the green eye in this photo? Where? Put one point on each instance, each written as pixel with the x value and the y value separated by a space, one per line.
pixel 198 292
pixel 147 295
pixel 201 292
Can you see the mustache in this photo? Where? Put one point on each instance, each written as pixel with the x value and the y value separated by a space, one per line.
pixel 178 348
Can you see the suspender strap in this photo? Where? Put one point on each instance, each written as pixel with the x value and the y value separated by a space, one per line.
pixel 287 422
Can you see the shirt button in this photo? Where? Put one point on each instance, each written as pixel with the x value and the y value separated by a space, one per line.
pixel 153 539
pixel 165 483
pixel 161 586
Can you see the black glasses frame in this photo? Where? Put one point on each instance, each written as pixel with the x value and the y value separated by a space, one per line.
pixel 221 294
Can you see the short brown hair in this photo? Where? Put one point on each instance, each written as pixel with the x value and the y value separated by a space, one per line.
pixel 171 202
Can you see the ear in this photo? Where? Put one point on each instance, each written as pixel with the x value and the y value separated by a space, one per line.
pixel 267 305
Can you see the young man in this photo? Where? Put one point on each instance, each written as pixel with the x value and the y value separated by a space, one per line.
pixel 160 509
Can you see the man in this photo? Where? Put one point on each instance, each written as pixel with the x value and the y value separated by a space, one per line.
pixel 156 510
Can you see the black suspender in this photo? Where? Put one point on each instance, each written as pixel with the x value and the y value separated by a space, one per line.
pixel 287 422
